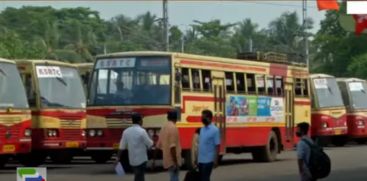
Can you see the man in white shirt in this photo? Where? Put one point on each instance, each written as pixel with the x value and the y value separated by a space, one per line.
pixel 136 140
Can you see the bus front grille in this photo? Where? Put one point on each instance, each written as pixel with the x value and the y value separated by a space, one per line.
pixel 70 123
pixel 71 134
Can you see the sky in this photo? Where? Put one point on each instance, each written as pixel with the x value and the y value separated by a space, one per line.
pixel 183 13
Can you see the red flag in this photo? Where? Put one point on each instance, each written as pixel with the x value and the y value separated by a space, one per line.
pixel 327 5
pixel 361 23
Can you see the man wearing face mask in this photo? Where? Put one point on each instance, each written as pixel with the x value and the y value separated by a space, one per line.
pixel 304 151
pixel 209 140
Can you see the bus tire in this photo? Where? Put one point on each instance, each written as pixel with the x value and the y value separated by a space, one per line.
pixel 32 159
pixel 3 160
pixel 101 157
pixel 361 141
pixel 61 157
pixel 269 152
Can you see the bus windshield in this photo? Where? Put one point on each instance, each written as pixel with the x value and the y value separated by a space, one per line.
pixel 60 87
pixel 131 81
pixel 327 92
pixel 12 92
pixel 358 95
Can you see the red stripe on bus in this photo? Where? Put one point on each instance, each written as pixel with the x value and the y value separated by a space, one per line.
pixel 220 65
pixel 278 70
pixel 306 103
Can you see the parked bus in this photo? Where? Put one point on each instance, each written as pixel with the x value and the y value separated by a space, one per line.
pixel 85 71
pixel 15 116
pixel 329 118
pixel 355 99
pixel 57 100
pixel 256 104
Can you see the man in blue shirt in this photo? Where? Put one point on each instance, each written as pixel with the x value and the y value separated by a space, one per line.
pixel 209 141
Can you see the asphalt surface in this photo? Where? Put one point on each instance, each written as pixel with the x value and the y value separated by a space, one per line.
pixel 348 164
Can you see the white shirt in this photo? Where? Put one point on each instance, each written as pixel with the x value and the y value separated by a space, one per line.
pixel 136 140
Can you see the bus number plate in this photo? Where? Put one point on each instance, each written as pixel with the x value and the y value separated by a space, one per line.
pixel 338 131
pixel 72 144
pixel 8 148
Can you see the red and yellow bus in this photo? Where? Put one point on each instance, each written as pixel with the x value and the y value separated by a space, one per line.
pixel 256 104
pixel 15 116
pixel 355 99
pixel 329 118
pixel 57 100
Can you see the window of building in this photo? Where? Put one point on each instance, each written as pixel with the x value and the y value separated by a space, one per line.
pixel 305 88
pixel 240 82
pixel 206 79
pixel 251 86
pixel 229 81
pixel 298 87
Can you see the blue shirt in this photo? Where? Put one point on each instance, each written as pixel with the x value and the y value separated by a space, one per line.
pixel 209 138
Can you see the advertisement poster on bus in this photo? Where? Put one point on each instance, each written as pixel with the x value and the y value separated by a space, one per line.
pixel 254 109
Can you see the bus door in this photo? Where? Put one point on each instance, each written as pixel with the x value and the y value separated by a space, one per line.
pixel 219 110
pixel 289 110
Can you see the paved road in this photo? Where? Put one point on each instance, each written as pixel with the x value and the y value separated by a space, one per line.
pixel 348 163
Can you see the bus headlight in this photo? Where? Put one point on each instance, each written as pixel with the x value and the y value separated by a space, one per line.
pixel 92 133
pixel 54 133
pixel 99 133
pixel 27 132
pixel 360 123
pixel 83 133
pixel 324 125
pixel 150 133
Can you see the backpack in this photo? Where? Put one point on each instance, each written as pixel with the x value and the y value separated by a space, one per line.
pixel 319 163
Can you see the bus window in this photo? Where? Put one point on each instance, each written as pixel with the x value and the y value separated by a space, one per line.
pixel 185 78
pixel 305 87
pixel 251 87
pixel 30 91
pixel 279 85
pixel 195 79
pixel 260 84
pixel 240 81
pixel 229 81
pixel 298 87
pixel 270 85
pixel 206 76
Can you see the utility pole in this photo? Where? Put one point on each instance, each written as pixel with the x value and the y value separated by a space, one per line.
pixel 250 45
pixel 182 43
pixel 165 25
pixel 305 35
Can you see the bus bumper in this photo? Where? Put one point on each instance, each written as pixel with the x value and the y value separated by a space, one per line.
pixel 24 145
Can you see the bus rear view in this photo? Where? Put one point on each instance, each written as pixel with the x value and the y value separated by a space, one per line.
pixel 329 120
pixel 15 116
pixel 121 85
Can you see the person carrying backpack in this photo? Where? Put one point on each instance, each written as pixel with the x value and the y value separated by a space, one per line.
pixel 313 162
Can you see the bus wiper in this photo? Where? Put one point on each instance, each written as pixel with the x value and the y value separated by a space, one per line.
pixel 2 72
pixel 62 81
pixel 331 91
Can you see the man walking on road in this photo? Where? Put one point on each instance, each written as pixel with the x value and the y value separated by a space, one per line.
pixel 209 141
pixel 136 140
pixel 169 143
pixel 304 152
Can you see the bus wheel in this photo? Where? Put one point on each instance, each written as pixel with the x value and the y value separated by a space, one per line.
pixel 269 152
pixel 101 157
pixel 32 159
pixel 3 160
pixel 361 141
pixel 61 157
pixel 339 141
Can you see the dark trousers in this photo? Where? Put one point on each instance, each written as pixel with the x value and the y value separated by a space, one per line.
pixel 139 172
pixel 205 170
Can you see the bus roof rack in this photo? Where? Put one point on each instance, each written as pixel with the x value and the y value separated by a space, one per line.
pixel 273 57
